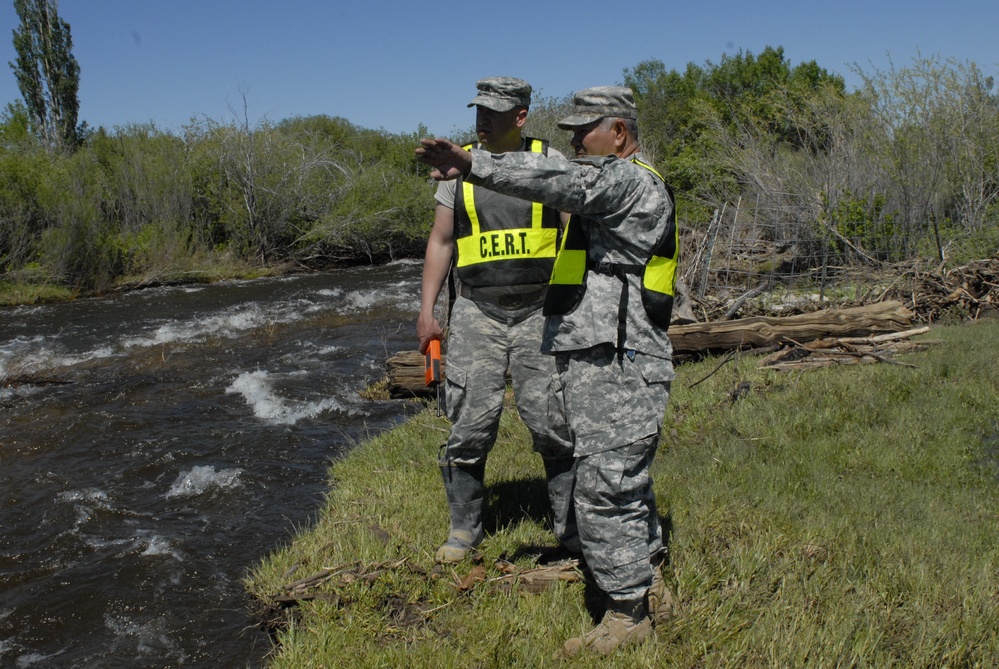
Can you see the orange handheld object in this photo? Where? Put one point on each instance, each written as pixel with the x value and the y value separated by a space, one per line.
pixel 432 373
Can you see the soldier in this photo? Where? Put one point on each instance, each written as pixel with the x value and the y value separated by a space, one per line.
pixel 503 249
pixel 608 307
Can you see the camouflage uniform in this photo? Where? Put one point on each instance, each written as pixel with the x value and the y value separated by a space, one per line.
pixel 494 329
pixel 615 395
pixel 479 351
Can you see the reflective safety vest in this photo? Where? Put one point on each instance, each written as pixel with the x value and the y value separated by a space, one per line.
pixel 568 280
pixel 503 240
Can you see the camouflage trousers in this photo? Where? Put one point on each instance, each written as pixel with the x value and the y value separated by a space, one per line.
pixel 615 405
pixel 479 351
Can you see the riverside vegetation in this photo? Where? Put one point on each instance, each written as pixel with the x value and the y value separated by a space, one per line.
pixel 905 167
pixel 838 517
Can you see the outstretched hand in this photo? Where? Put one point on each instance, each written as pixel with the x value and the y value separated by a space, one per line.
pixel 449 160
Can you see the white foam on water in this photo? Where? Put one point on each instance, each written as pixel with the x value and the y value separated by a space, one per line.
pixel 32 659
pixel 36 358
pixel 230 323
pixel 201 478
pixel 98 353
pixel 223 324
pixel 40 356
pixel 86 500
pixel 330 292
pixel 10 392
pixel 151 638
pixel 95 496
pixel 257 388
pixel 400 295
pixel 362 300
pixel 157 545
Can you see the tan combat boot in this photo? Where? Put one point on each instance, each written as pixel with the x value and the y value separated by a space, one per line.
pixel 621 626
pixel 660 598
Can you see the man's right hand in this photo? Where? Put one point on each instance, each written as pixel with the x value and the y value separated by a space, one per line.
pixel 427 329
pixel 449 160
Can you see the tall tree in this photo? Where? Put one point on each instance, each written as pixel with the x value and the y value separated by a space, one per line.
pixel 47 73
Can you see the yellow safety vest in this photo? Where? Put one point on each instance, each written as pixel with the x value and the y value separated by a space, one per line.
pixel 502 240
pixel 568 280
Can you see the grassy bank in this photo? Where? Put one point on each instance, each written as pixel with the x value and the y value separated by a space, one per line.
pixel 840 517
pixel 22 290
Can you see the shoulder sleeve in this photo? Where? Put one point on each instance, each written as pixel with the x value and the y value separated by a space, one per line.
pixel 445 193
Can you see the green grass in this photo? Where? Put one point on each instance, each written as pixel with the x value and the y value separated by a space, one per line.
pixel 26 288
pixel 839 517
pixel 14 293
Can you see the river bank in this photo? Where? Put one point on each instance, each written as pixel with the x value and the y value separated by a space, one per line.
pixel 841 516
pixel 20 290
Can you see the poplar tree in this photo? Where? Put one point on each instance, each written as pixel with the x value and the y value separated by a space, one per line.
pixel 47 73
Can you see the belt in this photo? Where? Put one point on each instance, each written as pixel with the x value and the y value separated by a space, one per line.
pixel 505 297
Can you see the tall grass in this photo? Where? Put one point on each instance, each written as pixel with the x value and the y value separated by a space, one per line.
pixel 840 517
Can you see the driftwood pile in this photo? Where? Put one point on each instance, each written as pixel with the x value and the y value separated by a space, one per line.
pixel 968 292
pixel 530 580
pixel 326 583
pixel 847 351
pixel 330 585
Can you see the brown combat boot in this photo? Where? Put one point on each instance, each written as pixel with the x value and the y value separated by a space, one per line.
pixel 621 626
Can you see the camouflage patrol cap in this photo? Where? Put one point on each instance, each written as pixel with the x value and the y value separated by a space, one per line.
pixel 593 104
pixel 502 93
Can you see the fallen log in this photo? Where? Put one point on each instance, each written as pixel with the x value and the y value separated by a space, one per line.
pixel 406 374
pixel 759 331
pixel 406 368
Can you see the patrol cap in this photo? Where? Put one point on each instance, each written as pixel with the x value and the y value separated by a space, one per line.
pixel 502 93
pixel 593 104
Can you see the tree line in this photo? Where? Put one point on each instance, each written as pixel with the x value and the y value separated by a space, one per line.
pixel 905 166
pixel 138 204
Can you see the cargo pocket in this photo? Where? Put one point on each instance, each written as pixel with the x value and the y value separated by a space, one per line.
pixel 658 374
pixel 655 370
pixel 454 397
pixel 558 411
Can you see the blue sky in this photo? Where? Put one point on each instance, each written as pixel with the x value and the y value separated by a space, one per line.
pixel 394 65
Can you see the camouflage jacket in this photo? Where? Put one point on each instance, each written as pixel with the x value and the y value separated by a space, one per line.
pixel 624 211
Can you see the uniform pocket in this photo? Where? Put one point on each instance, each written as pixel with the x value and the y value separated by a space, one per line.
pixel 558 411
pixel 455 382
pixel 655 370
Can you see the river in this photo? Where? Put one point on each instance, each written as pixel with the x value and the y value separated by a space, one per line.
pixel 171 438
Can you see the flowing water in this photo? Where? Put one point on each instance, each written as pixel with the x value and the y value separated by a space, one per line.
pixel 166 441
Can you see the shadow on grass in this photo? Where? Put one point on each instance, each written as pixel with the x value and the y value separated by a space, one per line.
pixel 509 503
